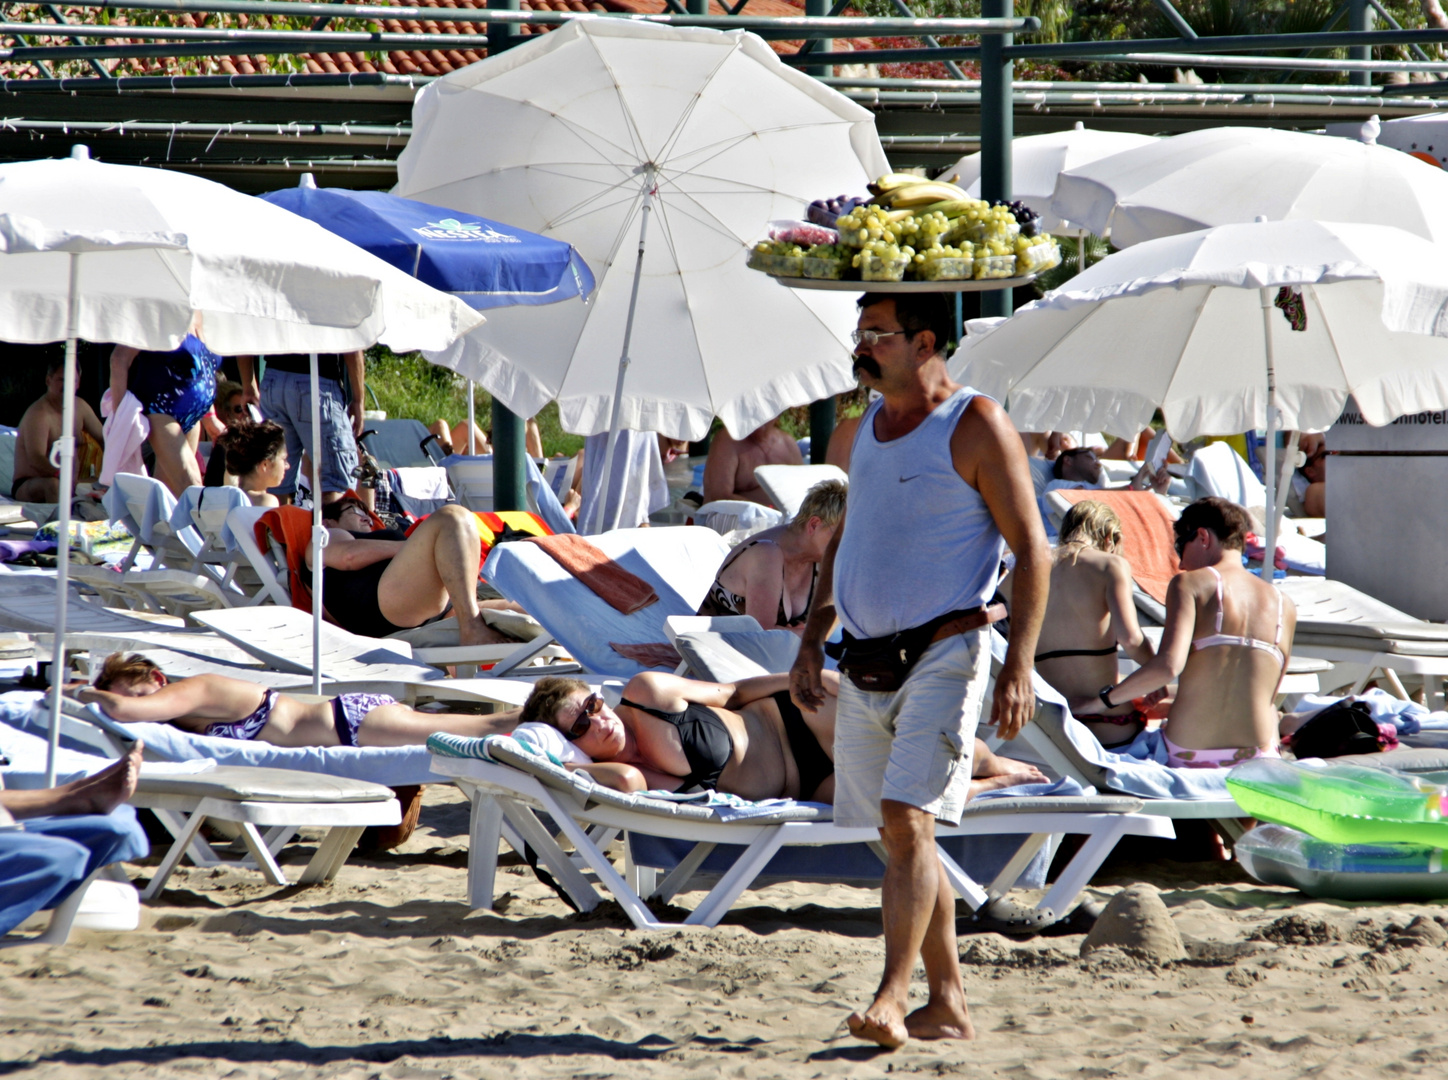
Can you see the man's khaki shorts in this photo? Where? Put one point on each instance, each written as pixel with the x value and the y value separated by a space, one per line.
pixel 912 745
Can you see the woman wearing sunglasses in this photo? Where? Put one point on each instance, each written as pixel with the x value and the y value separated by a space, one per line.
pixel 745 738
pixel 131 689
pixel 1226 642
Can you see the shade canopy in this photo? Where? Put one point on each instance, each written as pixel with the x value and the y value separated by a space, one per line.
pixel 180 253
pixel 569 135
pixel 1221 176
pixel 1037 160
pixel 1176 324
pixel 484 263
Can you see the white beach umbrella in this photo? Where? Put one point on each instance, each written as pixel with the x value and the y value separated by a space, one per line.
pixel 1199 326
pixel 660 154
pixel 1036 161
pixel 1223 175
pixel 143 256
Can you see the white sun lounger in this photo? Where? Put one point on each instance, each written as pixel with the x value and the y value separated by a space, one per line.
pixel 515 790
pixel 280 800
pixel 281 637
pixel 679 562
pixel 787 485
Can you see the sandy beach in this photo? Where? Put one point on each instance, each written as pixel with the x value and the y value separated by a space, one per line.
pixel 384 973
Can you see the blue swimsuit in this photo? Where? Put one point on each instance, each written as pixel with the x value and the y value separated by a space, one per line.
pixel 180 383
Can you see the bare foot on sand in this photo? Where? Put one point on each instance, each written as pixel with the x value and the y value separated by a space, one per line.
pixel 932 1021
pixel 882 1023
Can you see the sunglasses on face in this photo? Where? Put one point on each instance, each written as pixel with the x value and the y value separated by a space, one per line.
pixel 591 707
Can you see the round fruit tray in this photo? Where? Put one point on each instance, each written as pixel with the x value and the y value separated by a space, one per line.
pixel 972 285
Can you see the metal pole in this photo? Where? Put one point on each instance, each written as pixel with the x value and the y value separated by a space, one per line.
pixel 821 427
pixel 319 534
pixel 1360 19
pixel 510 479
pixel 1270 470
pixel 501 35
pixel 819 8
pixel 600 511
pixel 997 129
pixel 472 423
pixel 62 456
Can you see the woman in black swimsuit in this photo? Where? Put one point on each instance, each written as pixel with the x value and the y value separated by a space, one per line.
pixel 771 576
pixel 745 738
pixel 1090 614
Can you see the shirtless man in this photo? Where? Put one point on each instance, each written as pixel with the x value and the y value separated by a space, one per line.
pixel 1090 612
pixel 729 470
pixel 36 480
pixel 1082 466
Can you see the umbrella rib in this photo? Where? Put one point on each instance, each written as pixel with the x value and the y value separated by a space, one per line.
pixel 635 134
pixel 705 217
pixel 683 121
pixel 724 145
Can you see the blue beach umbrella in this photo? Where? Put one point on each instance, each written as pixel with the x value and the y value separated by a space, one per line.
pixel 483 263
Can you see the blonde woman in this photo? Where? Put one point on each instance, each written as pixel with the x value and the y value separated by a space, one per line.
pixel 772 575
pixel 1090 613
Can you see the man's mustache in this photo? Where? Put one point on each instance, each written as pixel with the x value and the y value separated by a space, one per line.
pixel 868 365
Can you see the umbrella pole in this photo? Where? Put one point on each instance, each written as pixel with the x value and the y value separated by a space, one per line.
pixel 62 456
pixel 472 441
pixel 1269 473
pixel 623 361
pixel 1080 251
pixel 319 534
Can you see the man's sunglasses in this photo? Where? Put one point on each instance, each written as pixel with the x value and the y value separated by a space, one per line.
pixel 592 706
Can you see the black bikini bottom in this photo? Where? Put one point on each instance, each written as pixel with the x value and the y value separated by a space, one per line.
pixel 814 765
pixel 1060 654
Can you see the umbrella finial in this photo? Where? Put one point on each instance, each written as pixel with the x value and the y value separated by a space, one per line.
pixel 1080 125
pixel 1371 128
pixel 80 152
pixel 307 180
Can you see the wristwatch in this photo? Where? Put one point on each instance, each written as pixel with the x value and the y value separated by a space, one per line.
pixel 1105 695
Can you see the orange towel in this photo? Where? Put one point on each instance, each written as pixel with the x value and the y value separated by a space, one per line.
pixel 649 654
pixel 622 590
pixel 292 527
pixel 1147 540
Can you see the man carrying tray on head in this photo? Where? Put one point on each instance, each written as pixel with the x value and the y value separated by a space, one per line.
pixel 939 484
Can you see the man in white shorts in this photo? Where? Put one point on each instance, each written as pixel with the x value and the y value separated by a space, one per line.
pixel 939 485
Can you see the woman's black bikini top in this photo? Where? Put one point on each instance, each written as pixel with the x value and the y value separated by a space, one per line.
pixel 708 746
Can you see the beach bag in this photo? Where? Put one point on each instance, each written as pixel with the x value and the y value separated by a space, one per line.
pixel 1338 730
pixel 881 665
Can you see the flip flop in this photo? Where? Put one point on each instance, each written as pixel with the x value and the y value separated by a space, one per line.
pixel 1006 916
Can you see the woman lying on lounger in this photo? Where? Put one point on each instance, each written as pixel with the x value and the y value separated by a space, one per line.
pixel 131 689
pixel 745 738
pixel 771 575
pixel 376 583
pixel 1226 642
pixel 1089 614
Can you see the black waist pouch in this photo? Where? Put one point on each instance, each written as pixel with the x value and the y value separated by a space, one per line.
pixel 881 665
pixel 1344 728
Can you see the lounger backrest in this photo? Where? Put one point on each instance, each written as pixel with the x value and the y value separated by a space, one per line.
pixel 271 572
pixel 679 562
pixel 787 485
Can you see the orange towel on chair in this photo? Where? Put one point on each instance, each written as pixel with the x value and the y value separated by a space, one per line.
pixel 620 589
pixel 1147 540
pixel 292 526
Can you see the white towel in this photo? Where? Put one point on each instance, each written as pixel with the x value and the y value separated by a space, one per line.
pixel 636 488
pixel 429 482
pixel 126 430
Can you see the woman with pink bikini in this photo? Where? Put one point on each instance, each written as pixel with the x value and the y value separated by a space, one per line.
pixel 1227 639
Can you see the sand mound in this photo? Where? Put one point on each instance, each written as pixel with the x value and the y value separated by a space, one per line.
pixel 1138 923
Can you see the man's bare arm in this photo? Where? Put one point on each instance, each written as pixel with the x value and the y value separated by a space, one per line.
pixel 806 677
pixel 89 422
pixel 121 357
pixel 989 454
pixel 357 377
pixel 246 368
